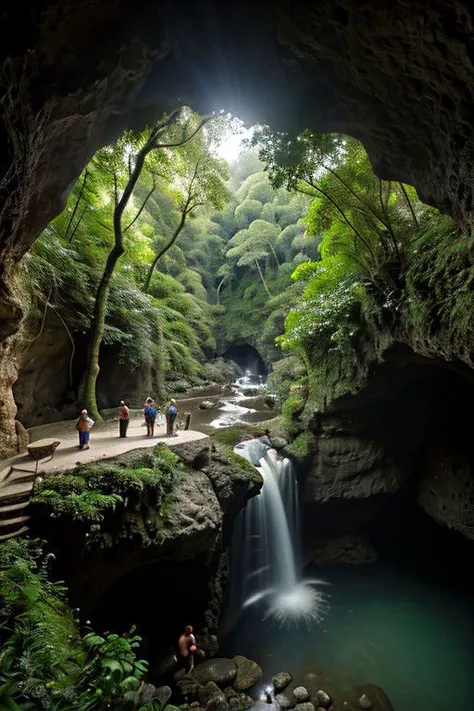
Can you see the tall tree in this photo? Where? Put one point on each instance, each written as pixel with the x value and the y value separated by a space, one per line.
pixel 157 138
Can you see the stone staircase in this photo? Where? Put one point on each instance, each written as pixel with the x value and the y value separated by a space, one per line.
pixel 16 486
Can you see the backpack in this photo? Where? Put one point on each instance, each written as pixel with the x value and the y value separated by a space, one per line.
pixel 172 410
pixel 149 412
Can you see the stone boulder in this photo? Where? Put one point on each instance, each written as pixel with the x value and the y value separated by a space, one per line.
pixel 216 699
pixel 233 480
pixel 301 694
pixel 248 673
pixel 285 701
pixel 207 405
pixel 305 706
pixel 323 699
pixel 281 680
pixel 221 671
pixel 197 452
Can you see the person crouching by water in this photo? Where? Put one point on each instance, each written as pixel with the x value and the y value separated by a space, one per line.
pixel 84 426
pixel 187 647
pixel 124 419
pixel 150 416
pixel 171 414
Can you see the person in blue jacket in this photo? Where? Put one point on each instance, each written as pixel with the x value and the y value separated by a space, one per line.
pixel 171 414
pixel 150 412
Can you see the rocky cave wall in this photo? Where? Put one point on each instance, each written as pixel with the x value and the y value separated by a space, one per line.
pixel 396 75
pixel 404 438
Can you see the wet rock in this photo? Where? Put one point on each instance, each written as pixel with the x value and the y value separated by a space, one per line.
pixel 278 442
pixel 207 405
pixel 301 694
pixel 306 706
pixel 248 673
pixel 208 643
pixel 220 671
pixel 323 698
pixel 230 692
pixel 365 702
pixel 281 680
pixel 373 693
pixel 245 702
pixel 284 701
pixel 189 688
pixel 218 702
pixel 162 695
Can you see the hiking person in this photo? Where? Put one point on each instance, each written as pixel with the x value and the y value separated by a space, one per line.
pixel 124 419
pixel 84 426
pixel 187 647
pixel 150 413
pixel 171 414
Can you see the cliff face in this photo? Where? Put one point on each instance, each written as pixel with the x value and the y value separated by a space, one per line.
pixel 149 550
pixel 396 75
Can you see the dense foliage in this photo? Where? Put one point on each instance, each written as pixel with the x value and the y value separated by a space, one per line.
pixel 390 268
pixel 46 664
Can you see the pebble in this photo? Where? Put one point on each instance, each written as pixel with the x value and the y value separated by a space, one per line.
pixel 323 699
pixel 306 706
pixel 283 702
pixel 280 681
pixel 365 702
pixel 300 694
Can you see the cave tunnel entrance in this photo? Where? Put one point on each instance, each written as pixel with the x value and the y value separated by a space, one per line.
pixel 247 359
pixel 159 599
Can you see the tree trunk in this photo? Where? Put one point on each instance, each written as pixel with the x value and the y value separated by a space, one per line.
pixel 265 285
pixel 275 255
pixel 218 293
pixel 97 333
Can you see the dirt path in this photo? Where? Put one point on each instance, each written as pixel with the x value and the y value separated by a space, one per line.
pixel 104 443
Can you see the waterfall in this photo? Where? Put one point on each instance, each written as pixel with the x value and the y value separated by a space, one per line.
pixel 265 558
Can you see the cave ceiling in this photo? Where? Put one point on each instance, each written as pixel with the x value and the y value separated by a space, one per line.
pixel 397 74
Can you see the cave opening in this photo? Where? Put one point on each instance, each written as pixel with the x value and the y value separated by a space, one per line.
pixel 158 599
pixel 247 359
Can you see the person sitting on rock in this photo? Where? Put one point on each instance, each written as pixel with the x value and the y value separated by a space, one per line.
pixel 187 647
pixel 150 413
pixel 171 414
pixel 124 419
pixel 84 426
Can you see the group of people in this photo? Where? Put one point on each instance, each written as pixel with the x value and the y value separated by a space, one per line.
pixel 150 412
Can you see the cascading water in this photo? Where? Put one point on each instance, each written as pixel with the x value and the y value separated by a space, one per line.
pixel 265 553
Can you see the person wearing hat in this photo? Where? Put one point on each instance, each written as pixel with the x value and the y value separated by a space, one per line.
pixel 171 414
pixel 84 426
pixel 124 419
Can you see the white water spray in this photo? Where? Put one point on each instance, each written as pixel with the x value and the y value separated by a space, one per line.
pixel 266 554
